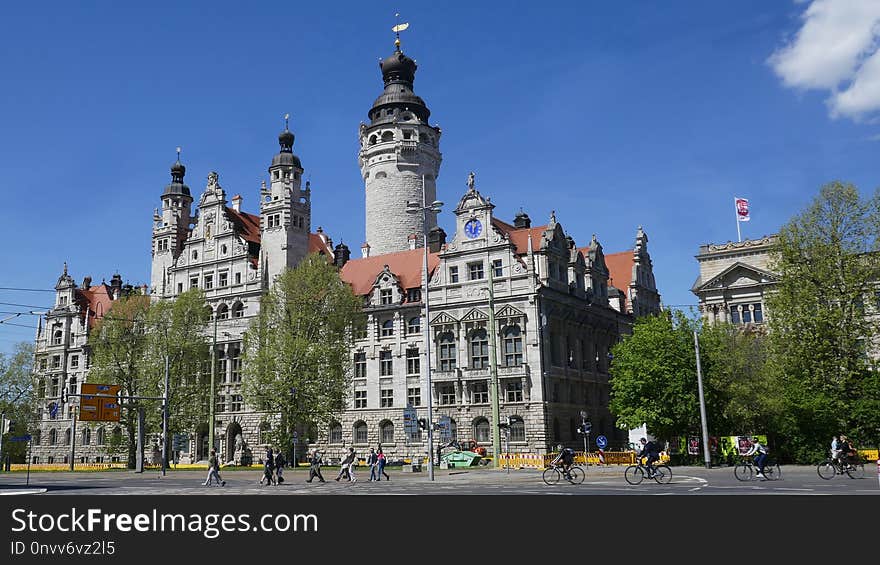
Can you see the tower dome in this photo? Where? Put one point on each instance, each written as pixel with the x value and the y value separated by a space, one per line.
pixel 285 156
pixel 397 67
pixel 178 170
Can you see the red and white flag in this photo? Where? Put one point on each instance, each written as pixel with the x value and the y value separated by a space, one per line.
pixel 742 209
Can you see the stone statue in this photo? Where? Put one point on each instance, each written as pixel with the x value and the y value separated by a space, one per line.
pixel 213 179
pixel 470 181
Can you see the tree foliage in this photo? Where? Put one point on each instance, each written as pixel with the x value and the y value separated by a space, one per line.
pixel 18 400
pixel 296 359
pixel 828 261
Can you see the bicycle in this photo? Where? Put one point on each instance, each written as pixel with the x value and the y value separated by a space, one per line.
pixel 554 473
pixel 746 470
pixel 635 474
pixel 831 467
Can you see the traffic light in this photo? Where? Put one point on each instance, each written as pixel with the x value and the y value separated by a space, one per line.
pixel 423 423
pixel 8 425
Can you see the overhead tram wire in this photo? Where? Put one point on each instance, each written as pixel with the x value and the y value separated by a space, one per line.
pixel 27 289
pixel 25 305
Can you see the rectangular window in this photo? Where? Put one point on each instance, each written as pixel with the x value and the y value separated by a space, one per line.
pixel 56 361
pixel 475 271
pixel 412 362
pixel 236 404
pixel 414 325
pixel 272 221
pixel 746 314
pixel 414 295
pixel 237 278
pixel 481 393
pixel 514 391
pixel 235 358
pixel 759 314
pixel 74 361
pixel 453 274
pixel 447 355
pixel 447 394
pixel 180 288
pixel 387 328
pixel 386 367
pixel 223 279
pixel 209 282
pixel 360 328
pixel 360 365
pixel 386 398
pixel 385 296
pixel 497 271
pixel 43 363
pixel 360 399
pixel 479 350
pixel 194 282
pixel 414 396
pixel 71 385
pixel 221 404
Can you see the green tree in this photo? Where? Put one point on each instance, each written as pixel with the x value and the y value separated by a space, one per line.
pixel 828 262
pixel 654 376
pixel 178 331
pixel 296 359
pixel 18 399
pixel 118 344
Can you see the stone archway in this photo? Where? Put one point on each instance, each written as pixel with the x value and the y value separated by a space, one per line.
pixel 234 443
pixel 201 447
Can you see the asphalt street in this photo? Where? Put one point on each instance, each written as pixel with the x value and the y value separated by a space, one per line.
pixel 689 481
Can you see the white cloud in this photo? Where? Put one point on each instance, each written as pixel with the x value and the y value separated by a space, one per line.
pixel 836 50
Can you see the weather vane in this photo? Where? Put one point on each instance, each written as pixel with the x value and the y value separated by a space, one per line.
pixel 286 118
pixel 178 154
pixel 397 29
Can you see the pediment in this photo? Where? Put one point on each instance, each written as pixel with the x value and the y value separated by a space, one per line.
pixel 509 312
pixel 474 315
pixel 739 275
pixel 443 318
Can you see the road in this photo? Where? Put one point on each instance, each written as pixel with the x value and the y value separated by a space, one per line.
pixel 687 481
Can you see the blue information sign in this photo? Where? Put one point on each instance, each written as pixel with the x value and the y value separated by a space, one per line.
pixel 26 437
pixel 601 441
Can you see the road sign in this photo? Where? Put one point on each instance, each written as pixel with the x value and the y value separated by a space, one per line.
pixel 445 427
pixel 601 442
pixel 53 409
pixel 26 437
pixel 410 422
pixel 180 442
pixel 103 408
pixel 587 427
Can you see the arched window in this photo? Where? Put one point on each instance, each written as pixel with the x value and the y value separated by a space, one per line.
pixel 38 436
pixel 237 310
pixel 386 432
pixel 222 312
pixel 387 136
pixel 360 432
pixel 99 437
pixel 373 139
pixel 453 429
pixel 53 436
pixel 209 313
pixel 517 429
pixel 446 351
pixel 414 325
pixel 387 328
pixel 265 430
pixel 86 436
pixel 513 346
pixel 67 436
pixel 117 435
pixel 479 349
pixel 381 175
pixel 481 430
pixel 335 432
pixel 56 337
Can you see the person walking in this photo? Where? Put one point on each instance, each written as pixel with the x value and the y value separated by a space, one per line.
pixel 381 466
pixel 373 462
pixel 214 470
pixel 280 462
pixel 345 469
pixel 315 467
pixel 268 468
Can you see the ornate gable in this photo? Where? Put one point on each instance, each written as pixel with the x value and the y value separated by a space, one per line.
pixel 475 315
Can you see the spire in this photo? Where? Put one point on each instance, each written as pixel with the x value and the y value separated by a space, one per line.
pixel 397 29
pixel 178 171
pixel 285 138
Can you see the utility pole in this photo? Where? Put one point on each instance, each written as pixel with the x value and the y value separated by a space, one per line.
pixel 2 431
pixel 493 370
pixel 706 455
pixel 73 414
pixel 139 465
pixel 211 398
pixel 165 420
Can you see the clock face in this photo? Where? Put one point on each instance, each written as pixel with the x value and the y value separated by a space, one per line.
pixel 473 228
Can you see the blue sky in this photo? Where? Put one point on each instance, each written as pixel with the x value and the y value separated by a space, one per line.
pixel 614 114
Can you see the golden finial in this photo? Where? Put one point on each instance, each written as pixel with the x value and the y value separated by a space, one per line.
pixel 397 29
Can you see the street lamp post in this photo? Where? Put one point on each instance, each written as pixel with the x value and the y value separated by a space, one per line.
pixel 211 398
pixel 706 455
pixel 414 208
pixel 493 368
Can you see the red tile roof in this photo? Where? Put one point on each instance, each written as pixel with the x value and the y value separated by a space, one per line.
pixel 96 301
pixel 407 265
pixel 318 244
pixel 246 224
pixel 620 267
pixel 520 236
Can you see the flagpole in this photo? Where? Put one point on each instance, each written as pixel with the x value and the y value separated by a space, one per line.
pixel 736 213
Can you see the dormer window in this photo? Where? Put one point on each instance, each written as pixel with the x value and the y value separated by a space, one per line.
pixel 386 296
pixel 62 300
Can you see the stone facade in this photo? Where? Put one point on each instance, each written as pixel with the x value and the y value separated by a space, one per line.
pixel 734 278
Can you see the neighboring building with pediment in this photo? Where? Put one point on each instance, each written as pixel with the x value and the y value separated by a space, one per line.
pixel 734 279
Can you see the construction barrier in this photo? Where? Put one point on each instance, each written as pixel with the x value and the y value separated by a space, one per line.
pixel 537 461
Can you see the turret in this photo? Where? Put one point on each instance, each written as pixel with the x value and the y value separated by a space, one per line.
pixel 171 224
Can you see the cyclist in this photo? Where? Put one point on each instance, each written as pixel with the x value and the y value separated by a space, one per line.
pixel 651 450
pixel 847 452
pixel 835 448
pixel 565 458
pixel 760 453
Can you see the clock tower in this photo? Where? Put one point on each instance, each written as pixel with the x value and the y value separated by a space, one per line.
pixel 400 153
